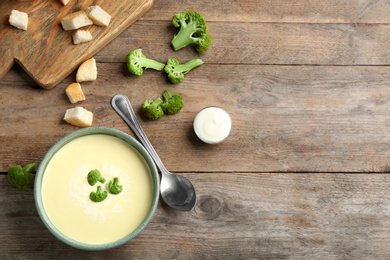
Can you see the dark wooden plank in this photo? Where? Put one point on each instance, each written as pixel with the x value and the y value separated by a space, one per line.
pixel 237 216
pixel 262 43
pixel 304 11
pixel 285 118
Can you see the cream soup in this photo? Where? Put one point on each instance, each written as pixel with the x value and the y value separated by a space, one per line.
pixel 65 189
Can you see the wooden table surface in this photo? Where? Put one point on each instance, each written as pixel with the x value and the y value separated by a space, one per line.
pixel 305 172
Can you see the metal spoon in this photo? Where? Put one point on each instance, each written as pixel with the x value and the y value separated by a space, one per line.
pixel 177 191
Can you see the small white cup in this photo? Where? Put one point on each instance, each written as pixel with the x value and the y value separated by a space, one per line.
pixel 213 125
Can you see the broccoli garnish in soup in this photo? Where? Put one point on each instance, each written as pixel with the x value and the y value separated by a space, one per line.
pixel 95 176
pixel 114 187
pixel 21 177
pixel 98 195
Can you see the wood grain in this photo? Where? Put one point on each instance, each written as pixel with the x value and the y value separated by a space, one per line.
pixel 305 173
pixel 237 216
pixel 285 118
pixel 280 11
pixel 263 43
pixel 45 50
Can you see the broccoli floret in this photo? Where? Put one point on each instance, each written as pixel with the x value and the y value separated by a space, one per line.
pixel 114 187
pixel 172 103
pixel 136 63
pixel 98 196
pixel 94 176
pixel 176 71
pixel 21 177
pixel 193 30
pixel 151 109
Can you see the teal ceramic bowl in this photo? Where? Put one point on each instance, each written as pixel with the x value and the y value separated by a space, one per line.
pixel 40 177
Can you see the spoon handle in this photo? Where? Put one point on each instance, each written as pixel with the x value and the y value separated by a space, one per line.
pixel 122 106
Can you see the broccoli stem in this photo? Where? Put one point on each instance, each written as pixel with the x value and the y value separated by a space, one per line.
pixel 184 36
pixel 157 102
pixel 186 67
pixel 167 95
pixel 30 167
pixel 151 64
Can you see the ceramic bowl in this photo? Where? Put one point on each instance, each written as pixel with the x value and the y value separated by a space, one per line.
pixel 40 201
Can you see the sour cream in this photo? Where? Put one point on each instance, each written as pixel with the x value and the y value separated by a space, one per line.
pixel 212 125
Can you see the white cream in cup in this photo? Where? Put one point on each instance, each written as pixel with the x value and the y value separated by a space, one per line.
pixel 212 125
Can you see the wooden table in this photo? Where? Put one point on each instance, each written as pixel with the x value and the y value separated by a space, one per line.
pixel 305 172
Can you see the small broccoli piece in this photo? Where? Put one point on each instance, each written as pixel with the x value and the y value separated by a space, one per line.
pixel 172 103
pixel 94 176
pixel 151 109
pixel 114 187
pixel 176 71
pixel 136 63
pixel 193 30
pixel 98 196
pixel 21 178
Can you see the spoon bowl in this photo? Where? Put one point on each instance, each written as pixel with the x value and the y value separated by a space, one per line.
pixel 176 190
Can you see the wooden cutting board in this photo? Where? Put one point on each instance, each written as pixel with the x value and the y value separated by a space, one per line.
pixel 45 50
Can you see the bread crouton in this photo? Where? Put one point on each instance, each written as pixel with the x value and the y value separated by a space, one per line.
pixel 18 19
pixel 81 36
pixel 98 15
pixel 87 71
pixel 79 116
pixel 64 2
pixel 75 93
pixel 75 21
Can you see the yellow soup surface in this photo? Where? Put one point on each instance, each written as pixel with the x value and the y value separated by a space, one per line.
pixel 65 189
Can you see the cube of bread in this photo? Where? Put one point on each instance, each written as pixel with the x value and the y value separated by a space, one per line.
pixel 81 36
pixel 18 19
pixel 75 93
pixel 79 116
pixel 75 21
pixel 64 2
pixel 98 15
pixel 87 71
